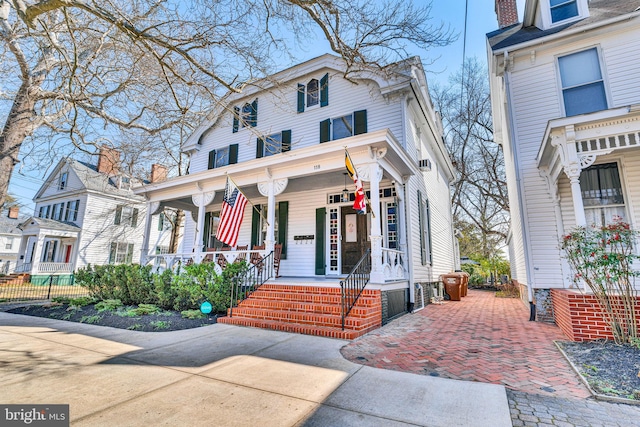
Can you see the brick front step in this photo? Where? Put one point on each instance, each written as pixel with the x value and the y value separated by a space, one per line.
pixel 307 310
pixel 14 279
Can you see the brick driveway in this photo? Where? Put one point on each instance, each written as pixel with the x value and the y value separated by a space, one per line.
pixel 481 338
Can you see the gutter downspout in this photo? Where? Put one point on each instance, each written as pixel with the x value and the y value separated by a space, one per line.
pixel 520 186
pixel 412 292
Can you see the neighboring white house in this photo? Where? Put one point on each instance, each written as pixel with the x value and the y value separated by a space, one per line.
pixel 87 214
pixel 565 88
pixel 9 240
pixel 283 140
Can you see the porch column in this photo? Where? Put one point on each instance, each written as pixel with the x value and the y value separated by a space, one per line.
pixel 271 189
pixel 573 173
pixel 37 254
pixel 152 207
pixel 572 168
pixel 375 175
pixel 201 201
pixel 400 232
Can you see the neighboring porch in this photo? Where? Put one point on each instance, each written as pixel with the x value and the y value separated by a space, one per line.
pixel 48 250
pixel 590 163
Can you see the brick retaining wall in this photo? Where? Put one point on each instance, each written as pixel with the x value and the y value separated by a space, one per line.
pixel 579 315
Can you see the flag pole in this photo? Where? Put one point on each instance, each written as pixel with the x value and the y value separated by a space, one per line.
pixel 355 172
pixel 245 196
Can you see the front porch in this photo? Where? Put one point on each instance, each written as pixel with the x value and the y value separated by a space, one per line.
pixel 302 201
pixel 48 251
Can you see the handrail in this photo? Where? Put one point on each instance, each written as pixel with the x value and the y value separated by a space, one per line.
pixel 351 288
pixel 250 280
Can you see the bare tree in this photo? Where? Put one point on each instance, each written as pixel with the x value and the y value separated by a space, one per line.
pixel 77 71
pixel 480 200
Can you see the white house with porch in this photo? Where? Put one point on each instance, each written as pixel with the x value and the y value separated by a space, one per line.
pixel 87 214
pixel 282 141
pixel 565 89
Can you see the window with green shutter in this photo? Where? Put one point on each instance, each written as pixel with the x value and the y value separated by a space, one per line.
pixel 314 93
pixel 344 126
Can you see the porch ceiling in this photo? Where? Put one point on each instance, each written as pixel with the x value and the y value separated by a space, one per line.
pixel 310 168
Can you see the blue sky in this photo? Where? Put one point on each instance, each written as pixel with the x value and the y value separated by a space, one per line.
pixel 447 60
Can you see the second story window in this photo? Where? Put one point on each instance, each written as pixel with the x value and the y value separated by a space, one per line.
pixel 223 156
pixel 71 213
pixel 563 9
pixel 62 183
pixel 343 127
pixel 126 215
pixel 274 144
pixel 582 84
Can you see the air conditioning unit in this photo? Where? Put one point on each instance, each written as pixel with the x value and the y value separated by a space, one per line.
pixel 425 165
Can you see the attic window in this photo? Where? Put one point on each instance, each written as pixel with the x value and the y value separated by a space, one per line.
pixel 247 116
pixel 313 93
pixel 563 9
pixel 62 184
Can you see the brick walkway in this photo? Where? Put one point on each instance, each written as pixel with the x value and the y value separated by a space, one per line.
pixel 481 338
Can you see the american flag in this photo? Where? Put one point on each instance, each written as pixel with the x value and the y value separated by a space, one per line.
pixel 232 213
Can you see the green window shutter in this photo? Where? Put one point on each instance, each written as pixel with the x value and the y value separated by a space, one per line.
pixel 206 230
pixel 253 119
pixel 160 222
pixel 134 218
pixel 129 259
pixel 255 226
pixel 283 215
pixel 118 217
pixel 428 215
pixel 321 218
pixel 112 252
pixel 260 148
pixel 301 98
pixel 360 122
pixel 236 119
pixel 286 140
pixel 325 131
pixel 212 159
pixel 324 90
pixel 233 154
pixel 422 225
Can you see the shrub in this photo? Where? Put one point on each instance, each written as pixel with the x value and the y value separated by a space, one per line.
pixel 144 309
pixel 192 314
pixel 602 258
pixel 130 283
pixel 109 305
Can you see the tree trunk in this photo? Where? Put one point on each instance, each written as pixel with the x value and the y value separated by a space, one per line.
pixel 175 232
pixel 17 127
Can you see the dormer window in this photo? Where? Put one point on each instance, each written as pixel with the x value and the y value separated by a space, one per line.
pixel 562 10
pixel 313 93
pixel 245 116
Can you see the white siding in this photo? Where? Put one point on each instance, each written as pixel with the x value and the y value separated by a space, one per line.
pixel 277 112
pixel 534 99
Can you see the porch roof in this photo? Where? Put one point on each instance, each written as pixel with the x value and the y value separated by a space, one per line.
pixel 35 226
pixel 306 168
pixel 575 142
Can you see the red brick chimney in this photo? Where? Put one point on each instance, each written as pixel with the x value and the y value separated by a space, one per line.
pixel 109 160
pixel 158 173
pixel 13 212
pixel 507 13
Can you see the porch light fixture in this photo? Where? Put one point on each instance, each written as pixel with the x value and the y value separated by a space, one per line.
pixel 345 193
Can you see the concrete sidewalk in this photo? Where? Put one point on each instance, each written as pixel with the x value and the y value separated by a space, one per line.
pixel 225 376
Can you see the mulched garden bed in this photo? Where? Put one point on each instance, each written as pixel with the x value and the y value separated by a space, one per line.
pixel 122 318
pixel 610 369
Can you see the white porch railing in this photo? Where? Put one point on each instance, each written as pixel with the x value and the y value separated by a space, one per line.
pixel 393 265
pixel 54 267
pixel 45 267
pixel 172 261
